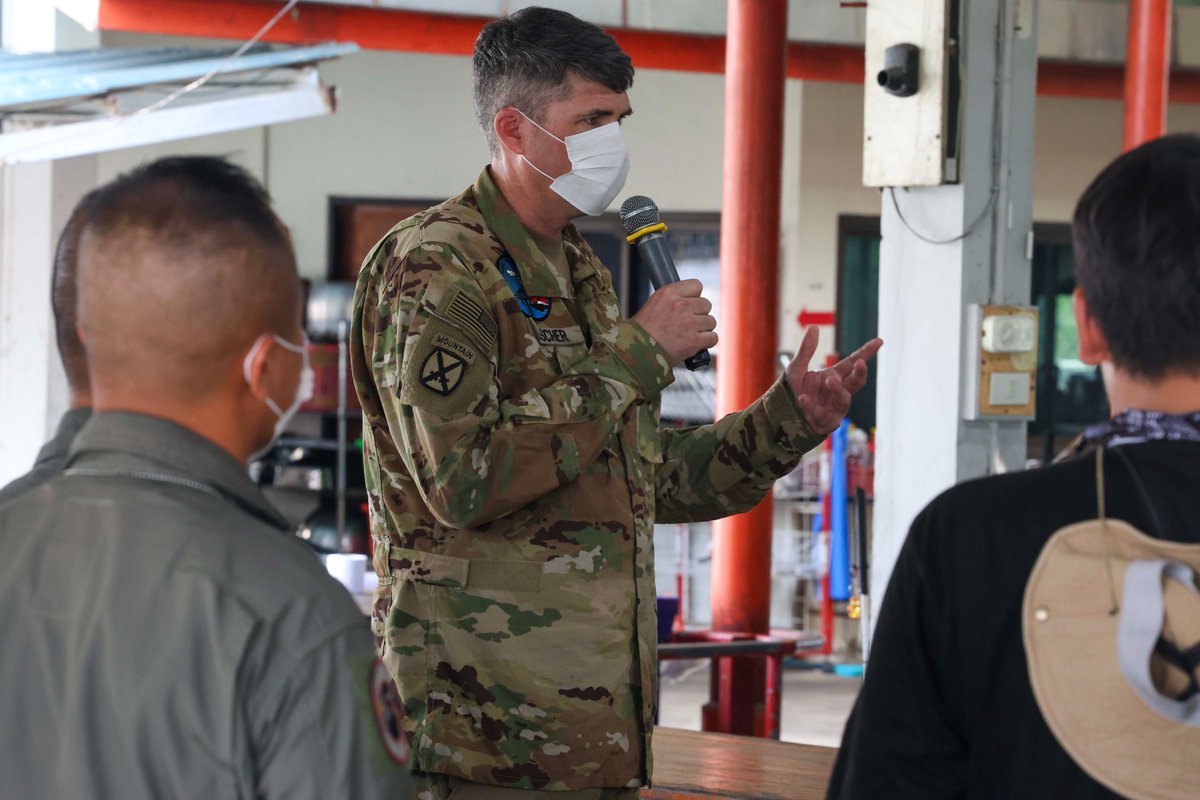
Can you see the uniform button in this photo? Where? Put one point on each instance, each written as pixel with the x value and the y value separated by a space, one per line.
pixel 1041 613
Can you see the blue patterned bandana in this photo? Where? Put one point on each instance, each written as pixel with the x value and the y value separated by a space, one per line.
pixel 1134 426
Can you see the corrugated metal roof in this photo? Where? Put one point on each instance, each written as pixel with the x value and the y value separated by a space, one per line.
pixel 44 77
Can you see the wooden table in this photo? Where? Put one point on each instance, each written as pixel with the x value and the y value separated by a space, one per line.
pixel 697 766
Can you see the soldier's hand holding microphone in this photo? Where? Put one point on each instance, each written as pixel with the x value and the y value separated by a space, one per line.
pixel 679 319
pixel 676 315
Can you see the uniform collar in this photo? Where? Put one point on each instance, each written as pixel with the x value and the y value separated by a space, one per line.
pixel 173 449
pixel 68 427
pixel 538 275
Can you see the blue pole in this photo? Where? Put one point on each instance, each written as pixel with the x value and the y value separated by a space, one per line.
pixel 839 543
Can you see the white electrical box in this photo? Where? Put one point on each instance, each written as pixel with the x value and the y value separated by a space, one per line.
pixel 1001 357
pixel 1009 334
pixel 904 138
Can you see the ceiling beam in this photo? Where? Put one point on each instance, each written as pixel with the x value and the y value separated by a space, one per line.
pixel 449 34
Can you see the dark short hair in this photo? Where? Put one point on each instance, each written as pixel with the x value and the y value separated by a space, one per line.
pixel 523 61
pixel 1137 256
pixel 182 264
pixel 64 293
pixel 217 193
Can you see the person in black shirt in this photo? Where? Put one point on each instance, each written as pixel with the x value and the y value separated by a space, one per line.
pixel 947 709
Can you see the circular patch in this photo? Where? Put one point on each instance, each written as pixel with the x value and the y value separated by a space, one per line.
pixel 539 307
pixel 389 712
pixel 442 371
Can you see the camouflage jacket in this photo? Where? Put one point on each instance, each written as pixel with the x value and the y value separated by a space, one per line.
pixel 515 471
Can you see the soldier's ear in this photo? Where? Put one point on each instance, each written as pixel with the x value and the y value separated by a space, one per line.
pixel 1093 345
pixel 510 130
pixel 256 368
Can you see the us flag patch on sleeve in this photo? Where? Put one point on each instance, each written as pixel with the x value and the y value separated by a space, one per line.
pixel 473 319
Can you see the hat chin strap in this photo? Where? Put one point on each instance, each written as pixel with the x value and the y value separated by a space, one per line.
pixel 1139 630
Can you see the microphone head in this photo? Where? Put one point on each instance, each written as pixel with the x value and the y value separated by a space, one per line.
pixel 638 212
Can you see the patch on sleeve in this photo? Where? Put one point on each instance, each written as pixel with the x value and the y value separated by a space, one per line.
pixel 442 371
pixel 389 712
pixel 473 318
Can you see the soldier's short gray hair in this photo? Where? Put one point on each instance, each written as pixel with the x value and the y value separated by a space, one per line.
pixel 523 61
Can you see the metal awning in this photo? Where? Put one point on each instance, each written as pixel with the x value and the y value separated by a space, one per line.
pixel 57 105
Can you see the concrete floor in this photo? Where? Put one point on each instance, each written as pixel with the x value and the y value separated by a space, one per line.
pixel 815 704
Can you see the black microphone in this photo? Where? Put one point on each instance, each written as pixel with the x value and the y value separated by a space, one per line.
pixel 641 219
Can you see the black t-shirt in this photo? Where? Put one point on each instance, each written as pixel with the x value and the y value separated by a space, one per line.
pixel 946 710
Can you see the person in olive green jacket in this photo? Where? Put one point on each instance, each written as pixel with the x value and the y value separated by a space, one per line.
pixel 514 462
pixel 163 634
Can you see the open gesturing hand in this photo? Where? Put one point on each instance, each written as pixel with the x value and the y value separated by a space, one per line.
pixel 824 395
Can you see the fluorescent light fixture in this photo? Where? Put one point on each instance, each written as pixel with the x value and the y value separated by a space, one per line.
pixel 28 142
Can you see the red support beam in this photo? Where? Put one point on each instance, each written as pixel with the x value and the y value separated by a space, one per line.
pixel 755 69
pixel 308 23
pixel 448 34
pixel 1147 70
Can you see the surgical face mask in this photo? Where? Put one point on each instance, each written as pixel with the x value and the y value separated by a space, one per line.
pixel 304 390
pixel 599 164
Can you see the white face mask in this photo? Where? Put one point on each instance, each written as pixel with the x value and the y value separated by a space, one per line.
pixel 304 390
pixel 599 164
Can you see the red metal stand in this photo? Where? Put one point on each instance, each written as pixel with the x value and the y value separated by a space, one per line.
pixel 729 650
pixel 1147 71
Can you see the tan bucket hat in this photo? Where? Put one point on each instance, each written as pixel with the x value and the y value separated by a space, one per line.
pixel 1111 625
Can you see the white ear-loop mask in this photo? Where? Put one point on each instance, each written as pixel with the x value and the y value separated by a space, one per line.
pixel 304 390
pixel 599 165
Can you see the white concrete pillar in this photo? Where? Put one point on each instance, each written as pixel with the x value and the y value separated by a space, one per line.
pixel 35 202
pixel 924 446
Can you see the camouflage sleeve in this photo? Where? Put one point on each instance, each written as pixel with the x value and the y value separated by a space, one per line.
pixel 712 471
pixel 476 453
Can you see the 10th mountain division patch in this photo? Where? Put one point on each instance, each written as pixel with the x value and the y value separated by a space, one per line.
pixel 442 371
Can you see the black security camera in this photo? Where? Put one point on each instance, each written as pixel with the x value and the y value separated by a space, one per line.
pixel 901 70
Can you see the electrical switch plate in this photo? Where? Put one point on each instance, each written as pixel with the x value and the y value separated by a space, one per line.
pixel 1000 362
pixel 1009 389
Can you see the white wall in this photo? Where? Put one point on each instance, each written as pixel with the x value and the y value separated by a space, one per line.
pixel 830 186
pixel 35 202
pixel 1074 140
pixel 403 129
pixel 245 148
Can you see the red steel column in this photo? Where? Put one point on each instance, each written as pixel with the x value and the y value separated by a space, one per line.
pixel 1147 70
pixel 755 62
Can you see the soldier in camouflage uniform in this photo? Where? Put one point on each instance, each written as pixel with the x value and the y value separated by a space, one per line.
pixel 513 458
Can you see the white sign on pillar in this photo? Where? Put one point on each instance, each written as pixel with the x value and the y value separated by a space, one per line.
pixel 946 247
